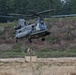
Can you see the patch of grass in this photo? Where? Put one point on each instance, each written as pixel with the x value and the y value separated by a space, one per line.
pixel 44 50
pixel 56 54
pixel 44 53
pixel 52 39
pixel 9 24
pixel 11 54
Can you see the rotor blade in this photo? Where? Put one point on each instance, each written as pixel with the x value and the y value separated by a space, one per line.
pixel 38 14
pixel 46 11
pixel 13 14
pixel 32 13
pixel 60 16
pixel 20 15
pixel 6 16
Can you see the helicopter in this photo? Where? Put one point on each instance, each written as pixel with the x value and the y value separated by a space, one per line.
pixel 31 31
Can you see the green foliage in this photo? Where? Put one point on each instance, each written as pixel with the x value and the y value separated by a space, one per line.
pixel 56 54
pixel 44 50
pixel 73 5
pixel 52 39
pixel 20 6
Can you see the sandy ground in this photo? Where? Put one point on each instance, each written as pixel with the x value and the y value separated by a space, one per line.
pixel 53 66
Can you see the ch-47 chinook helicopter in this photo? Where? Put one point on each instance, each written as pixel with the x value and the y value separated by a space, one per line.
pixel 31 31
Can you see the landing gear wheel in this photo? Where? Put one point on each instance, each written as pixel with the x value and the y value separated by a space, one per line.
pixel 30 40
pixel 43 39
pixel 16 40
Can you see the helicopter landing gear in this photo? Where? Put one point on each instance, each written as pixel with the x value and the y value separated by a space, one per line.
pixel 30 40
pixel 43 39
pixel 16 40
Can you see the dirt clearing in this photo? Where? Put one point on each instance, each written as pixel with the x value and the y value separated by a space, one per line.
pixel 54 67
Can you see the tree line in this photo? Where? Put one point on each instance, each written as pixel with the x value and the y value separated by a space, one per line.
pixel 21 6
